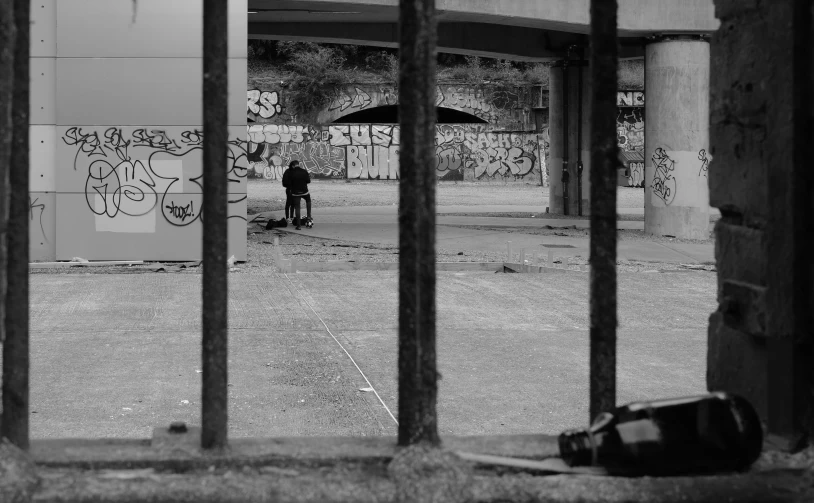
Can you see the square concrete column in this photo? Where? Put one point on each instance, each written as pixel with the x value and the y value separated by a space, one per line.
pixel 128 142
pixel 676 137
pixel 569 139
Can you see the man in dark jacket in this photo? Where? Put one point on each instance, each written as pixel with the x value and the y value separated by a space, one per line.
pixel 296 180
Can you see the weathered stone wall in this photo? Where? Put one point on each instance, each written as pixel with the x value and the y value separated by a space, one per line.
pixel 504 109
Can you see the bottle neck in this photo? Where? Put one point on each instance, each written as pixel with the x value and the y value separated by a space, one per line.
pixel 578 448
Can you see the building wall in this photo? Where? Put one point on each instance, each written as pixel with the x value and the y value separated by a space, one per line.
pixel 116 129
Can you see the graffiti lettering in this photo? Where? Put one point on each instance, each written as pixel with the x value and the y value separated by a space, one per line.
pixel 265 104
pixel 36 205
pixel 340 135
pixel 664 184
pixel 343 101
pixel 635 174
pixel 629 99
pixel 180 212
pixel 371 152
pixel 702 156
pixel 273 133
pixel 126 177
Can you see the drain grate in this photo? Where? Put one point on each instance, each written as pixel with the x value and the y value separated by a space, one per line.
pixel 556 246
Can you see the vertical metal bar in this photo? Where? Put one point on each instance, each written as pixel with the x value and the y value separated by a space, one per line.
pixel 215 270
pixel 579 130
pixel 8 39
pixel 566 153
pixel 15 349
pixel 604 163
pixel 418 387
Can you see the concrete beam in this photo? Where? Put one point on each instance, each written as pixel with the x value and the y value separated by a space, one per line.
pixel 636 17
pixel 470 39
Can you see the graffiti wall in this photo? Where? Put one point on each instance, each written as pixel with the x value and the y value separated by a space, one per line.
pixel 370 151
pixel 508 109
pixel 630 135
pixel 138 192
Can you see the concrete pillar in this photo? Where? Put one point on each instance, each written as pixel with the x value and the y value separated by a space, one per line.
pixel 576 145
pixel 677 137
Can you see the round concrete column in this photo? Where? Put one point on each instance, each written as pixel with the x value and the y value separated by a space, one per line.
pixel 676 137
pixel 564 84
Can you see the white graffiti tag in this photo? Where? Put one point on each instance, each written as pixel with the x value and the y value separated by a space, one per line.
pixel 265 104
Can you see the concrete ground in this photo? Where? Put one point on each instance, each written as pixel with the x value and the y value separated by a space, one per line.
pixel 379 225
pixel 115 355
pixel 367 212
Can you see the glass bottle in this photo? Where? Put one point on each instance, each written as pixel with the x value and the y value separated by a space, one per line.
pixel 718 432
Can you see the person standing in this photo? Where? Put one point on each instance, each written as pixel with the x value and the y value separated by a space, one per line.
pixel 296 179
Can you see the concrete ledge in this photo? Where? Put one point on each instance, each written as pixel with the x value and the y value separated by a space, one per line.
pixel 355 469
pixel 286 451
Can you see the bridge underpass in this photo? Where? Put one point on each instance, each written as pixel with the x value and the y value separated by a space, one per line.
pixel 122 85
pixel 671 36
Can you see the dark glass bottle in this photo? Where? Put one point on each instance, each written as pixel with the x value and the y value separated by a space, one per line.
pixel 718 432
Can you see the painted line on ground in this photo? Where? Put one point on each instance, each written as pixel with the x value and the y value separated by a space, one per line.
pixel 346 352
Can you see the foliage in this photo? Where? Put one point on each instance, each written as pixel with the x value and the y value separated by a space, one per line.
pixel 316 73
pixel 386 63
pixel 315 66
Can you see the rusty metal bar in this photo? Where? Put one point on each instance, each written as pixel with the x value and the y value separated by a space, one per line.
pixel 214 396
pixel 418 387
pixel 16 347
pixel 7 42
pixel 604 165
pixel 566 173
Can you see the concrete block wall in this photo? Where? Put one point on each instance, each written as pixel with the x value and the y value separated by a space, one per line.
pixel 116 129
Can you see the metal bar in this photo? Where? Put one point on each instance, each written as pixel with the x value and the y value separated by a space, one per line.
pixel 604 163
pixel 566 174
pixel 16 347
pixel 215 270
pixel 7 42
pixel 579 131
pixel 418 387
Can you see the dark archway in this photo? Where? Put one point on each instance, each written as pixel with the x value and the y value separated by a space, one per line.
pixel 389 114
